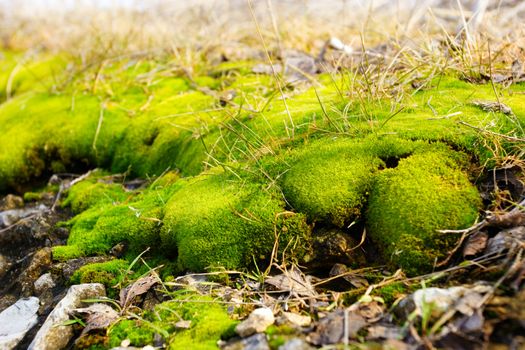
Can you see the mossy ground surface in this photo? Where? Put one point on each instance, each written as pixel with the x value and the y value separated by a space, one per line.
pixel 241 174
pixel 209 322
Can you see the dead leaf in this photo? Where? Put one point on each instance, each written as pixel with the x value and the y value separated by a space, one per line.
pixel 140 286
pixel 371 311
pixel 99 316
pixel 293 281
pixel 331 329
pixel 475 244
pixel 354 280
pixel 506 240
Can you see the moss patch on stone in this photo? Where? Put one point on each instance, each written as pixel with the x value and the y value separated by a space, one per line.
pixel 108 273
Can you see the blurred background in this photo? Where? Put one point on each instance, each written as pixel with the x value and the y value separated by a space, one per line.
pixel 72 25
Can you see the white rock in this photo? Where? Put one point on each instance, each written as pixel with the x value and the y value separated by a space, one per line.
pixel 463 299
pixel 44 283
pixel 17 320
pixel 53 336
pixel 336 43
pixel 257 322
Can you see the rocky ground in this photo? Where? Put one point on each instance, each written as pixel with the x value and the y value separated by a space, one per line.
pixel 474 304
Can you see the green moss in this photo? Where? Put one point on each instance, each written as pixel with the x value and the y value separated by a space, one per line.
pixel 66 252
pixel 32 196
pixel 125 117
pixel 132 330
pixel 392 292
pixel 108 273
pixel 136 222
pixel 408 204
pixel 209 322
pixel 215 219
pixel 133 129
pixel 23 72
pixel 93 192
pixel 330 179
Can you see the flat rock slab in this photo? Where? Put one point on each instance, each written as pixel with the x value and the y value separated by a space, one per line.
pixel 17 320
pixel 53 336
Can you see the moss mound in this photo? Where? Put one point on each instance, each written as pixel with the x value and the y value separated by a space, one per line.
pixel 213 219
pixel 408 204
pixel 329 179
pixel 322 161
pixel 218 220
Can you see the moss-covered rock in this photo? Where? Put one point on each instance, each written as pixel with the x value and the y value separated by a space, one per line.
pixel 408 204
pixel 215 219
pixel 108 273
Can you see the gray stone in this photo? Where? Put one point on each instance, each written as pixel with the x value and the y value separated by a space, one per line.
pixel 295 344
pixel 257 322
pixel 52 335
pixel 16 321
pixel 255 342
pixel 44 283
pixel 10 217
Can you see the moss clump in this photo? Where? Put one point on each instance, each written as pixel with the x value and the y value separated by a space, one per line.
pixel 128 131
pixel 67 252
pixel 105 222
pixel 134 330
pixel 209 322
pixel 215 219
pixel 209 220
pixel 330 179
pixel 24 72
pixel 330 184
pixel 108 273
pixel 408 204
pixel 94 191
